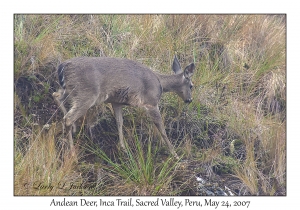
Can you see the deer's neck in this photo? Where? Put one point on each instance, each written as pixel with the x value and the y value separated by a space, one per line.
pixel 170 83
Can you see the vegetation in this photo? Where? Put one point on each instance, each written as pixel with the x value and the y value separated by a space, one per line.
pixel 234 131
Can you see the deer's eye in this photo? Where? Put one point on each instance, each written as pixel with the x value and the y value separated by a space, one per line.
pixel 191 86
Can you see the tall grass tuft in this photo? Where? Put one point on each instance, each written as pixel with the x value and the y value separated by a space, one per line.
pixel 138 168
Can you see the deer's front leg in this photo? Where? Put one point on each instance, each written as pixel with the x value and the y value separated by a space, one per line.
pixel 119 118
pixel 157 120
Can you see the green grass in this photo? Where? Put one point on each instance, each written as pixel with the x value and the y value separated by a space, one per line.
pixel 138 168
pixel 235 125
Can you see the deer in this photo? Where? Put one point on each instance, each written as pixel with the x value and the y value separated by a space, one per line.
pixel 87 81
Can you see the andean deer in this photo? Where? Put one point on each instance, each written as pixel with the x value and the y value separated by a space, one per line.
pixel 87 81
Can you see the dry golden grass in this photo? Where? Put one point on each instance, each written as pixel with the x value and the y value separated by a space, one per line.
pixel 41 164
pixel 239 95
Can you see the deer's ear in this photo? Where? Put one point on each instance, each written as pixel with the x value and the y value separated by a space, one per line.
pixel 189 70
pixel 176 66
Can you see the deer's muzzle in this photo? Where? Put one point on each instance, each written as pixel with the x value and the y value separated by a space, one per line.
pixel 188 100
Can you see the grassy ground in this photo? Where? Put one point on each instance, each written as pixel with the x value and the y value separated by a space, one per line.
pixel 234 131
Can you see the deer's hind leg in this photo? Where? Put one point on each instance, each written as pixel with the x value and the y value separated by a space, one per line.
pixel 60 97
pixel 78 109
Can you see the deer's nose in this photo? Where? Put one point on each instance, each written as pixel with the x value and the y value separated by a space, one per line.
pixel 188 100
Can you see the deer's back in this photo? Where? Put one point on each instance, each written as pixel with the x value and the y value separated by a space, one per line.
pixel 111 80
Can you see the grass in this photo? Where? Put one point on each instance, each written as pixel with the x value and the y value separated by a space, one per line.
pixel 41 165
pixel 139 169
pixel 235 127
